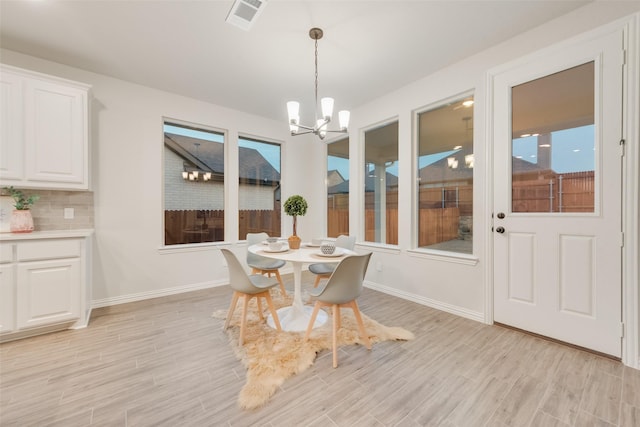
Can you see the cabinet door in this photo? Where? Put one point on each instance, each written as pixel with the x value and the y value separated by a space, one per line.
pixel 7 298
pixel 48 292
pixel 56 135
pixel 11 125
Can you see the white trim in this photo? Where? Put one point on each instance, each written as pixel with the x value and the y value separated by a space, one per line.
pixel 449 308
pixel 631 196
pixel 445 256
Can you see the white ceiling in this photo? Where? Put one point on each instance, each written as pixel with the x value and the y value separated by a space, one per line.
pixel 369 47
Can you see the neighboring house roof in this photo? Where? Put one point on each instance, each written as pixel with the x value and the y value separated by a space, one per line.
pixel 343 187
pixel 210 158
pixel 440 171
pixel 334 178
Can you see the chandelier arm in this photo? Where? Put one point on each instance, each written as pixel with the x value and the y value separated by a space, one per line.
pixel 306 127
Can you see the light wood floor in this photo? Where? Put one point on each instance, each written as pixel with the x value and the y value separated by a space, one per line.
pixel 166 362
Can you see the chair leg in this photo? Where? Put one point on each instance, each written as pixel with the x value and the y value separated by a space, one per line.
pixel 336 319
pixel 282 289
pixel 259 308
pixel 232 308
pixel 316 308
pixel 318 278
pixel 243 322
pixel 272 309
pixel 317 282
pixel 255 271
pixel 362 330
pixel 337 308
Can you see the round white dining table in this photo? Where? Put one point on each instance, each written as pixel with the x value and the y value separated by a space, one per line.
pixel 296 317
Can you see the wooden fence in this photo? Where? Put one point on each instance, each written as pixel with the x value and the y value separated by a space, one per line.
pixel 571 192
pixel 197 226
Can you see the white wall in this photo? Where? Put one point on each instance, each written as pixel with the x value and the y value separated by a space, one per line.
pixel 127 171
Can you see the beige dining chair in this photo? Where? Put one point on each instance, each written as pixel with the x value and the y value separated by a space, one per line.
pixel 342 289
pixel 264 265
pixel 244 286
pixel 323 270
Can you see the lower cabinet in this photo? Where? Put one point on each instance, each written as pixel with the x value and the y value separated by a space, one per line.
pixel 48 292
pixel 43 286
pixel 7 298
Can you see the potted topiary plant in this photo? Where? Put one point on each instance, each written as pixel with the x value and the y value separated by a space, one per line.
pixel 21 219
pixel 295 206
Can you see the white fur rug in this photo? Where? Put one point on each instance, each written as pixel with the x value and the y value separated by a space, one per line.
pixel 271 356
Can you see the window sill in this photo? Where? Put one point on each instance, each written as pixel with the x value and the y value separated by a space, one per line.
pixel 191 247
pixel 444 256
pixel 380 247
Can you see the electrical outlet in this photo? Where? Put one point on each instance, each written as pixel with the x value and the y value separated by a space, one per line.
pixel 69 213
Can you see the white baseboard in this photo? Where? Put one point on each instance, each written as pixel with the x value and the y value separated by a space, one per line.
pixel 438 305
pixel 106 302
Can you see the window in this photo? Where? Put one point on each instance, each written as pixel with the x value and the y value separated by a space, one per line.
pixel 445 177
pixel 259 192
pixel 381 184
pixel 553 142
pixel 338 188
pixel 193 185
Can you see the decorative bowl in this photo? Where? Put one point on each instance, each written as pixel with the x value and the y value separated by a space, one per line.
pixel 327 248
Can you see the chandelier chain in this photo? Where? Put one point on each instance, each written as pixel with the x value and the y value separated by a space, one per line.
pixel 316 79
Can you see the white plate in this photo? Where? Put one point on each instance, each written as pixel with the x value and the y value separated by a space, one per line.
pixel 311 245
pixel 337 252
pixel 283 249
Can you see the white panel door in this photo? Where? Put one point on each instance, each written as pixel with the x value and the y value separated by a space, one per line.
pixel 557 195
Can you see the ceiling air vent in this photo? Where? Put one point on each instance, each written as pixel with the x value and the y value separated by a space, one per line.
pixel 243 13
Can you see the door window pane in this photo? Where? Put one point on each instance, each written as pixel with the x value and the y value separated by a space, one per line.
pixel 445 177
pixel 193 185
pixel 553 142
pixel 381 184
pixel 259 191
pixel 338 188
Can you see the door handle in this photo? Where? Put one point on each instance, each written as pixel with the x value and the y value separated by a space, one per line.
pixel 501 215
pixel 500 230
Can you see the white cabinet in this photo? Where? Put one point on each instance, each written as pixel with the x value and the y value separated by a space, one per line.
pixel 43 285
pixel 44 131
pixel 7 289
pixel 48 290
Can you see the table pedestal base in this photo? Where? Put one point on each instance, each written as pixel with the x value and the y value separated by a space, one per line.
pixel 294 320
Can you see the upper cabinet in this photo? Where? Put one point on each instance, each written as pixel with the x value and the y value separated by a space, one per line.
pixel 44 131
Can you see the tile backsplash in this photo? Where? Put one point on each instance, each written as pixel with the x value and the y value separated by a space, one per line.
pixel 48 211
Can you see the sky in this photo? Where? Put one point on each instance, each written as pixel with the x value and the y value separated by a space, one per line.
pixel 572 150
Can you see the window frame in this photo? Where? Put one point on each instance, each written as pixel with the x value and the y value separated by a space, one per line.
pixel 430 253
pixel 362 184
pixel 259 139
pixel 190 247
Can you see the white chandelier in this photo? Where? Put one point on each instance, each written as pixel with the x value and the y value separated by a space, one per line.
pixel 320 128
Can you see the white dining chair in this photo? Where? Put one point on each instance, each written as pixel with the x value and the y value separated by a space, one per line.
pixel 342 289
pixel 263 265
pixel 244 286
pixel 323 270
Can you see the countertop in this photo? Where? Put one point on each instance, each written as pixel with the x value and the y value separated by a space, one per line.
pixel 50 234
